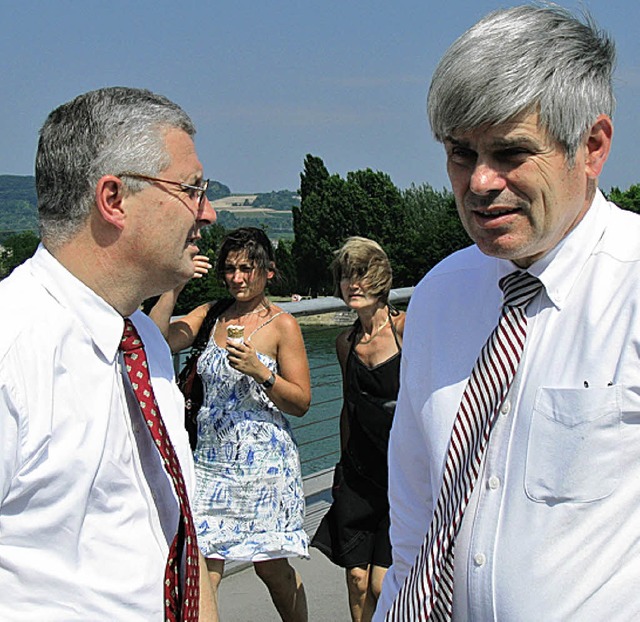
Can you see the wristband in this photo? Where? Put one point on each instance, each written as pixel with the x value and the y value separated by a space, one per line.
pixel 269 382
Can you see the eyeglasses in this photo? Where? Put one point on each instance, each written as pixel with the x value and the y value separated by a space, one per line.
pixel 194 192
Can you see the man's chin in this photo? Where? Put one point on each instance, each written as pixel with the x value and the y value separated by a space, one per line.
pixel 180 279
pixel 514 253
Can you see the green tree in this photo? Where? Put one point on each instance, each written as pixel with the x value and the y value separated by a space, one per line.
pixel 313 177
pixel 286 269
pixel 310 248
pixel 628 199
pixel 435 229
pixel 15 249
pixel 380 215
pixel 366 203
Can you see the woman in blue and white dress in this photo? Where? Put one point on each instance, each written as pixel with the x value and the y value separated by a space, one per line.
pixel 249 503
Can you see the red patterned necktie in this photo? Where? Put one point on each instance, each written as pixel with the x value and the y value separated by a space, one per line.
pixel 427 592
pixel 135 361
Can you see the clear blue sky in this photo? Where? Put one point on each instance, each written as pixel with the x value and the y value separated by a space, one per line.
pixel 268 82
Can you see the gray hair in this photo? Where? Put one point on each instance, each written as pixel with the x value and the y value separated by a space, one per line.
pixel 103 132
pixel 525 59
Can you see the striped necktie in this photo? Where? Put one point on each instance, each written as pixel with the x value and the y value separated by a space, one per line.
pixel 427 592
pixel 180 605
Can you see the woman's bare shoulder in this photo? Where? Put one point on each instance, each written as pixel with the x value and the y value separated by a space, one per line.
pixel 282 318
pixel 200 311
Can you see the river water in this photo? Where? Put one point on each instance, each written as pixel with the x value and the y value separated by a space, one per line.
pixel 317 433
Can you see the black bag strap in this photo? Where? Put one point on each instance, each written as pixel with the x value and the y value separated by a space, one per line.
pixel 202 338
pixel 216 310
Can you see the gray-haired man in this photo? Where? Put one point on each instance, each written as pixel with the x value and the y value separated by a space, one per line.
pixel 515 476
pixel 92 522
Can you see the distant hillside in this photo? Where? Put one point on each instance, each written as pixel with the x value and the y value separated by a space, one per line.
pixel 272 210
pixel 18 211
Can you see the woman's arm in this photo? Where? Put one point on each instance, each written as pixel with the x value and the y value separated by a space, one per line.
pixel 181 333
pixel 292 391
pixel 161 312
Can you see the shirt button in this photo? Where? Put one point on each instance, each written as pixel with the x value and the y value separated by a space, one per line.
pixel 505 408
pixel 479 559
pixel 494 482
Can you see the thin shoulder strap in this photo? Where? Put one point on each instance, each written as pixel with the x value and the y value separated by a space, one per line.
pixel 273 317
pixel 393 328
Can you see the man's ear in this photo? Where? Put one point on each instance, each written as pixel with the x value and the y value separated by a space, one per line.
pixel 109 196
pixel 598 145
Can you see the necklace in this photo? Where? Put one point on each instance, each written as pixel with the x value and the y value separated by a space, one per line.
pixel 258 309
pixel 374 333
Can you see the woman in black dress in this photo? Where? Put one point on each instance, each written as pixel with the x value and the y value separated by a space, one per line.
pixel 354 533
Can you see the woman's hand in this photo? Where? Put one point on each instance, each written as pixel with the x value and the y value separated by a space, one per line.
pixel 243 358
pixel 291 391
pixel 201 266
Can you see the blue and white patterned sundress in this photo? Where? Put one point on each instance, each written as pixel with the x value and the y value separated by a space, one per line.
pixel 249 503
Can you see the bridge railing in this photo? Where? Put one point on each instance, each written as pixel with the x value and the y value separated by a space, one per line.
pixel 317 433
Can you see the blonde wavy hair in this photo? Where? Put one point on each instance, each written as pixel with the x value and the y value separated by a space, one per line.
pixel 365 260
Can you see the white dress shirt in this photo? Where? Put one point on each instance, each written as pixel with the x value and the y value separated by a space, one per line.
pixel 86 508
pixel 552 531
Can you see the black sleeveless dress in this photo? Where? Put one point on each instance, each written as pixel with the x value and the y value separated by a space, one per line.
pixel 355 530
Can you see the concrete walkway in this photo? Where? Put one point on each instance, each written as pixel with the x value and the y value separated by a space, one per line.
pixel 244 598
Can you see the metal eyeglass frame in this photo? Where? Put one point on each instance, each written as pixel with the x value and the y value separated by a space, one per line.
pixel 186 187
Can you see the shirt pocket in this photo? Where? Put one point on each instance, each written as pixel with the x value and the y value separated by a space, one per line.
pixel 573 449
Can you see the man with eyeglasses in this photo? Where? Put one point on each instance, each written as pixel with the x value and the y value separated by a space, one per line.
pixel 92 522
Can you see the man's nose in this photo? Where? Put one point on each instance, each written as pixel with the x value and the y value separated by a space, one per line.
pixel 206 214
pixel 486 178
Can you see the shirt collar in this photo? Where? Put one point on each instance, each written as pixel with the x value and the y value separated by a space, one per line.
pixel 101 321
pixel 559 268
